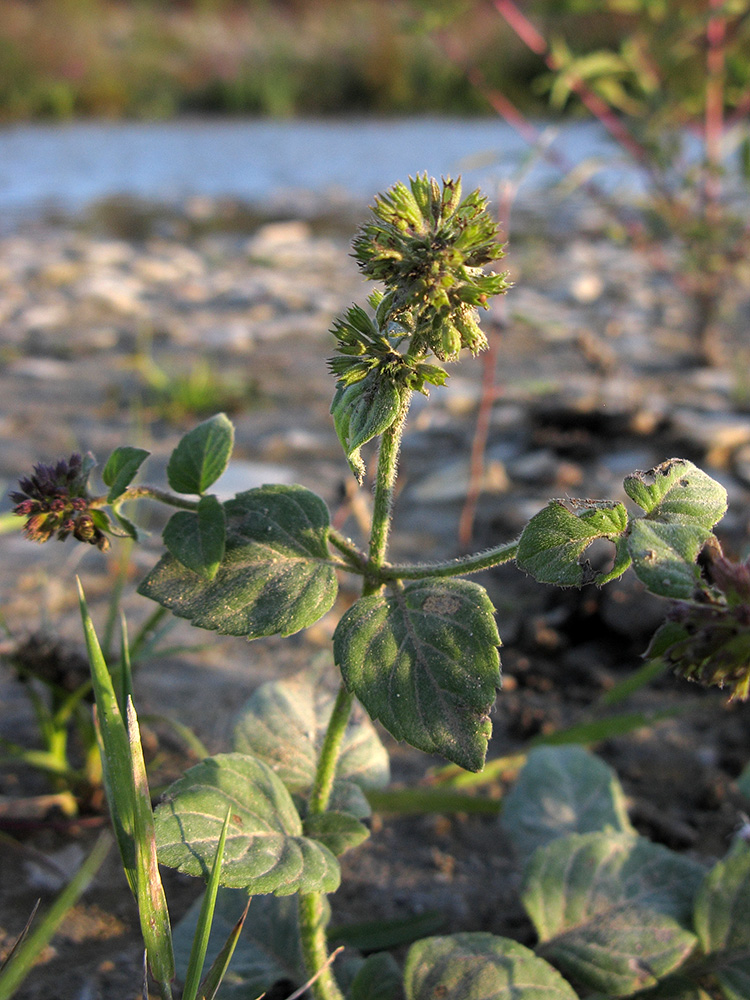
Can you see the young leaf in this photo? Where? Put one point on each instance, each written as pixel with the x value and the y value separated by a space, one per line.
pixel 273 578
pixel 284 724
pixel 213 979
pixel 611 910
pixel 201 456
pixel 379 978
pixel 553 541
pixel 480 966
pixel 197 540
pixel 339 831
pixel 562 790
pixel 680 493
pixel 722 920
pixel 266 850
pixel 120 469
pixel 268 951
pixel 361 411
pixel 425 663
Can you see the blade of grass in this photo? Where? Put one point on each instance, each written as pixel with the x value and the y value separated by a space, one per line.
pixel 193 743
pixel 205 919
pixel 152 903
pixel 14 973
pixel 215 975
pixel 114 748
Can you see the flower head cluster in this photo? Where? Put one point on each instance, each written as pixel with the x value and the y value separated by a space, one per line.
pixel 55 502
pixel 710 642
pixel 430 249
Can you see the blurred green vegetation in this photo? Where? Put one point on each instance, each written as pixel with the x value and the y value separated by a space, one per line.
pixel 154 59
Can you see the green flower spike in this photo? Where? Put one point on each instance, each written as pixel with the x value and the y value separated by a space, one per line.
pixel 430 249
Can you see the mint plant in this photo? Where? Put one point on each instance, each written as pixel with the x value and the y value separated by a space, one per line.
pixel 418 649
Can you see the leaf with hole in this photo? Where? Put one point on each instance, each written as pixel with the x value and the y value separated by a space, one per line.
pixel 479 966
pixel 201 455
pixel 612 910
pixel 274 578
pixel 552 543
pixel 266 850
pixel 678 493
pixel 424 661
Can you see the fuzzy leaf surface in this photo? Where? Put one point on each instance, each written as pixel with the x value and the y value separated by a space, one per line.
pixel 273 578
pixel 121 468
pixel 361 411
pixel 339 831
pixel 198 540
pixel 265 850
pixel 612 909
pixel 552 543
pixel 284 724
pixel 268 950
pixel 678 492
pixel 479 966
pixel 562 790
pixel 379 978
pixel 424 661
pixel 722 920
pixel 201 455
pixel 664 556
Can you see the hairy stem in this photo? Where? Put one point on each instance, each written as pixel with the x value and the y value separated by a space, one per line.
pixel 329 752
pixel 149 493
pixel 455 567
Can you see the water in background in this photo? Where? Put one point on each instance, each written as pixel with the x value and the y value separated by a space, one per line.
pixel 66 167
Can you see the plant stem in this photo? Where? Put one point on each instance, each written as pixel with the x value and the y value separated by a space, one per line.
pixel 312 918
pixel 149 493
pixel 390 444
pixel 456 567
pixel 329 752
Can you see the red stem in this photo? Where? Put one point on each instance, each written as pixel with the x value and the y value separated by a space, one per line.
pixel 714 113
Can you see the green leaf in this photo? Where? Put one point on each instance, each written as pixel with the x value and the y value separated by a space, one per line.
pixel 338 831
pixel 361 411
pixel 215 976
pixel 284 724
pixel 265 850
pixel 562 790
pixel 553 541
pixel 378 979
pixel 664 557
pixel 480 967
pixel 378 935
pixel 678 493
pixel 198 540
pixel 612 909
pixel 201 456
pixel 273 579
pixel 425 663
pixel 268 951
pixel 722 920
pixel 152 903
pixel 120 469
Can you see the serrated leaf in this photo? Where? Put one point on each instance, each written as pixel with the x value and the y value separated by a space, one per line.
pixel 284 724
pixel 197 540
pixel 379 979
pixel 424 661
pixel 664 557
pixel 480 966
pixel 265 848
pixel 722 920
pixel 361 411
pixel 562 790
pixel 120 469
pixel 267 952
pixel 554 540
pixel 611 909
pixel 679 493
pixel 201 456
pixel 338 831
pixel 273 578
